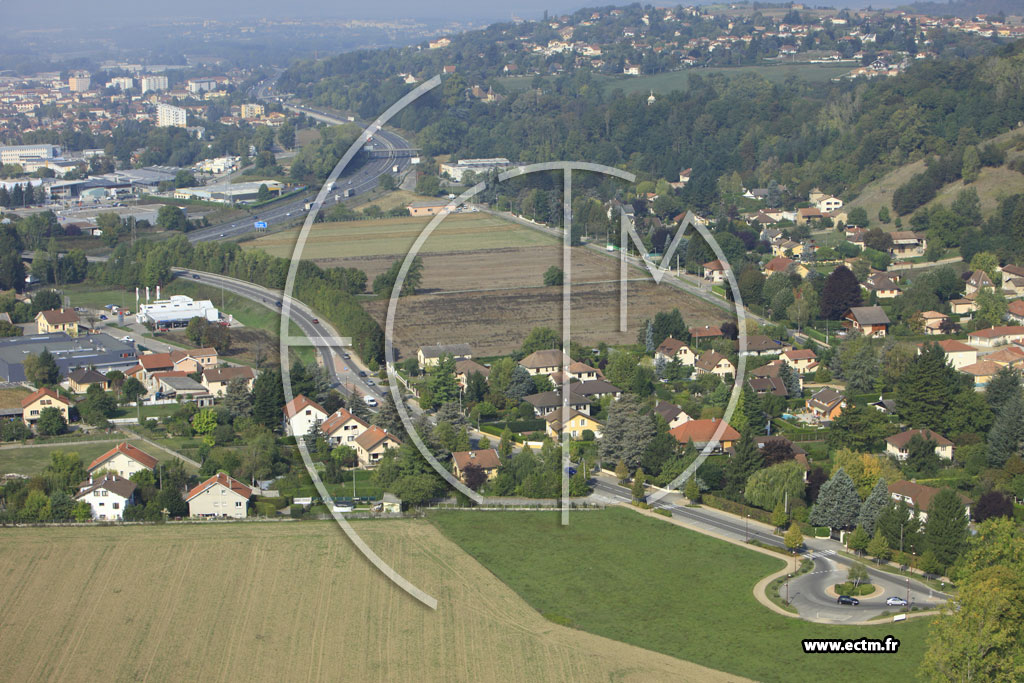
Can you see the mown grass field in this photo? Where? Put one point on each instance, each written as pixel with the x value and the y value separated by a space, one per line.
pixel 649 583
pixel 282 601
pixel 31 459
pixel 394 236
pixel 680 80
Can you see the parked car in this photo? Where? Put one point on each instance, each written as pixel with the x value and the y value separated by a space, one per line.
pixel 345 356
pixel 369 382
pixel 103 317
pixel 896 601
pixel 195 277
pixel 362 373
pixel 847 600
pixel 279 304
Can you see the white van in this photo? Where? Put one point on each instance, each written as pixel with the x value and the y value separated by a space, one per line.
pixel 370 401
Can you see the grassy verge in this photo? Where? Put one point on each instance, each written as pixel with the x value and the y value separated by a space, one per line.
pixel 776 590
pixel 664 588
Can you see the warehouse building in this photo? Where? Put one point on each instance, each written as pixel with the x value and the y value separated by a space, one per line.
pixel 176 311
pixel 99 351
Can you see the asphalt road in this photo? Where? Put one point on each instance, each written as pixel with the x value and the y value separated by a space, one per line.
pixel 342 372
pixel 807 592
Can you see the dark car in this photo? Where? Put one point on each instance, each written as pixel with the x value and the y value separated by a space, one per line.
pixel 362 373
pixel 279 304
pixel 316 321
pixel 847 600
pixel 195 277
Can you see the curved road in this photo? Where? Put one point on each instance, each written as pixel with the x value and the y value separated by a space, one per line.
pixel 807 592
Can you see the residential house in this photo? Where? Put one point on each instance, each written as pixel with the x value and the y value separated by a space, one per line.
pixel 58 320
pixel 907 244
pixel 802 360
pixel 429 356
pixel 595 389
pixel 996 336
pixel 80 379
pixel 124 460
pixel 706 333
pixel 983 371
pixel 828 204
pixel 772 370
pixel 183 388
pixel 768 385
pixel 933 322
pixel 882 286
pixel 886 406
pixel 33 404
pixel 191 361
pixel 486 459
pixel 779 264
pixel 1015 311
pixel 465 368
pixel 108 497
pixel 957 353
pixel 219 496
pixel 1012 356
pixel 673 349
pixel 702 432
pixel 897 444
pixel 1013 280
pixel 372 444
pixel 805 215
pixel 573 427
pixel 216 379
pixel 919 497
pixel 787 248
pixel 826 405
pixel 302 415
pixel 963 306
pixel 152 363
pixel 342 428
pixel 546 402
pixel 543 362
pixel 712 362
pixel 581 372
pixel 671 413
pixel 977 281
pixel 871 321
pixel 714 271
pixel 763 345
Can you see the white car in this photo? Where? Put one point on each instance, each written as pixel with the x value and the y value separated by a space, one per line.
pixel 896 601
pixel 370 401
pixel 127 340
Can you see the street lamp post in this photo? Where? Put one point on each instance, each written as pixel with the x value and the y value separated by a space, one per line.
pixel 908 593
pixel 746 529
pixel 787 587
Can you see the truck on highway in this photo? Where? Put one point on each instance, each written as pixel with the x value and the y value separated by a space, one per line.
pixel 394 169
pixel 348 192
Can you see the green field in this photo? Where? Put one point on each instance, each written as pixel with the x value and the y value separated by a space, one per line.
pixel 460 232
pixel 680 80
pixel 31 460
pixel 656 585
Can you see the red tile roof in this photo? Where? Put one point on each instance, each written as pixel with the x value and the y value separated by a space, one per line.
pixel 903 438
pixel 486 459
pixel 373 436
pixel 224 480
pixel 702 431
pixel 300 403
pixel 39 393
pixel 340 417
pixel 139 456
pixel 155 361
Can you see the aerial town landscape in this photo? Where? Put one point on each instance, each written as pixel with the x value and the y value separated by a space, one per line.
pixel 611 343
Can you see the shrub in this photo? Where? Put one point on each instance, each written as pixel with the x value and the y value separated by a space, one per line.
pixel 265 509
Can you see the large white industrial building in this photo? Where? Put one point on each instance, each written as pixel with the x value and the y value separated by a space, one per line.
pixel 18 154
pixel 176 311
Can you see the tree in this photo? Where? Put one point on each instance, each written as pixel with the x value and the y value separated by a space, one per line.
pixel 840 293
pixel 553 276
pixel 628 432
pixel 883 214
pixel 621 471
pixel 858 540
pixel 878 548
pixel 541 338
pixel 971 164
pixel 873 506
pixel 860 428
pixel 692 490
pixel 1006 437
pixel 637 489
pixel 42 370
pixel 268 399
pixel 237 399
pixel 779 516
pixel 264 194
pixel 746 459
pixel 859 364
pixel 36 507
pixel 286 135
pixel 926 389
pixel 474 476
pixel 858 216
pixel 857 574
pixel 51 422
pixel 790 379
pixel 132 389
pixel 945 532
pixel 578 486
pixel 900 526
pixel 172 218
pixel 921 458
pixel 992 307
pixel 805 305
pixel 993 504
pixel 838 504
pixel 1003 385
pixel 773 485
pixel 793 539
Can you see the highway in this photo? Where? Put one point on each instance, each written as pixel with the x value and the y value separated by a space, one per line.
pixel 360 181
pixel 344 373
pixel 807 592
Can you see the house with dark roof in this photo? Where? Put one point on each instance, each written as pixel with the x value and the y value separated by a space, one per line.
pixel 107 496
pixel 465 368
pixel 918 497
pixel 124 460
pixel 882 286
pixel 671 413
pixel 907 244
pixel 768 385
pixel 486 459
pixel 543 362
pixel 80 379
pixel 714 271
pixel 871 321
pixel 546 402
pixel 219 496
pixel 216 380
pixel 977 281
pixel 58 320
pixel 763 345
pixel 714 363
pixel 897 444
pixel 706 333
pixel 595 389
pixel 827 404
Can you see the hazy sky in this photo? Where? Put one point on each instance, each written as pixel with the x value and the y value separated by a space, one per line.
pixel 18 14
